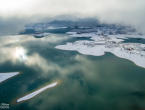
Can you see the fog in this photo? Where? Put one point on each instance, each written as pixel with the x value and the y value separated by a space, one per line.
pixel 14 14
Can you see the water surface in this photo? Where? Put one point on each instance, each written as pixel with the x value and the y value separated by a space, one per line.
pixel 85 82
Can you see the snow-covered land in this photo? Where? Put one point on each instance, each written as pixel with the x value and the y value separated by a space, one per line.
pixel 51 27
pixel 63 24
pixel 4 76
pixel 108 43
pixel 36 92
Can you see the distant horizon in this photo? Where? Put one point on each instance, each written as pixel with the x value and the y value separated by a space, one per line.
pixel 15 15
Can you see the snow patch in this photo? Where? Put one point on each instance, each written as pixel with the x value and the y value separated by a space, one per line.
pixel 31 95
pixel 99 49
pixel 4 76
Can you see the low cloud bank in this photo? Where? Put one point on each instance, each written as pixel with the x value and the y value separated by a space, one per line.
pixel 125 12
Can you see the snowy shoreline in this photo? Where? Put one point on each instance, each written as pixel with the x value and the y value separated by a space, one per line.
pixel 5 76
pixel 31 95
pixel 100 45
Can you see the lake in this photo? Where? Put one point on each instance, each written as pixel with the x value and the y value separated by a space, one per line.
pixel 84 82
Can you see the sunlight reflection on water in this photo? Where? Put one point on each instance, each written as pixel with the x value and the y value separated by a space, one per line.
pixel 20 53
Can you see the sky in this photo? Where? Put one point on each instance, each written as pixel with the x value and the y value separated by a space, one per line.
pixel 14 14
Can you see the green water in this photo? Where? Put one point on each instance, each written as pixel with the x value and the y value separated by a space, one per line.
pixel 134 40
pixel 84 82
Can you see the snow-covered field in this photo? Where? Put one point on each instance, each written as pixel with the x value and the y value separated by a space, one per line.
pixel 36 92
pixel 41 28
pixel 4 76
pixel 51 27
pixel 97 48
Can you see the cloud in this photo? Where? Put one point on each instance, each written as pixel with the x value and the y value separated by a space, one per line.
pixel 126 12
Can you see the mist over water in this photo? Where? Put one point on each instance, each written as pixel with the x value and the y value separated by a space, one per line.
pixel 124 12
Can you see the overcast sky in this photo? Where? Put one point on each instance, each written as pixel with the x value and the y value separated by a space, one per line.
pixel 17 13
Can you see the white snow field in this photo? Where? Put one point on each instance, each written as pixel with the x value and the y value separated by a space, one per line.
pixel 100 44
pixel 4 76
pixel 100 50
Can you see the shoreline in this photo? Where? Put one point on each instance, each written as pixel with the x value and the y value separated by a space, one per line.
pixel 99 46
